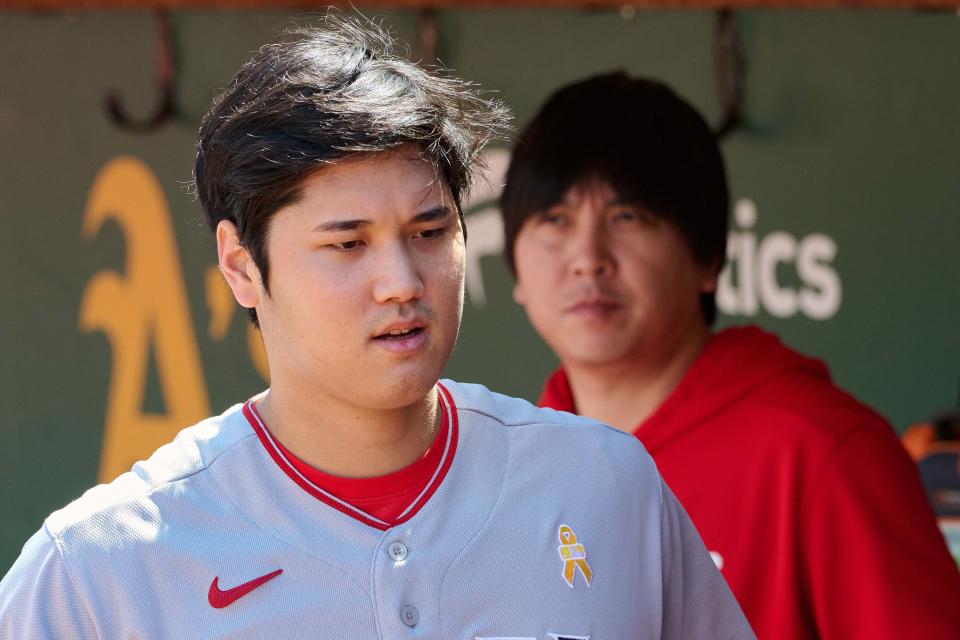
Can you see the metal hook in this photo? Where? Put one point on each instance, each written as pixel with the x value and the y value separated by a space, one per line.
pixel 166 67
pixel 428 36
pixel 730 68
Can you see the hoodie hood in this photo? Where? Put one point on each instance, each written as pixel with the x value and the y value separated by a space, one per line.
pixel 734 363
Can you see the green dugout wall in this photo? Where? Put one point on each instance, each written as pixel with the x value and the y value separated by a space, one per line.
pixel 846 179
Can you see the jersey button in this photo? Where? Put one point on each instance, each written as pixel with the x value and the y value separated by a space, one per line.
pixel 398 551
pixel 410 616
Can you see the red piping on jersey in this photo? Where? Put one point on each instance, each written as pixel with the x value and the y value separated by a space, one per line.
pixel 449 418
pixel 450 415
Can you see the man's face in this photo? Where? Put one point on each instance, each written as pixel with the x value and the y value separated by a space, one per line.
pixel 366 282
pixel 606 282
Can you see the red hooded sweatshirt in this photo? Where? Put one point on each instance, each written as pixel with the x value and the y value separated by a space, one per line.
pixel 804 496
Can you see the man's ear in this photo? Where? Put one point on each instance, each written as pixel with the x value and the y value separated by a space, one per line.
pixel 708 281
pixel 710 276
pixel 237 266
pixel 519 295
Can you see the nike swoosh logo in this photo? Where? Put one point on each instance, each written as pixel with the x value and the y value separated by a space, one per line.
pixel 220 599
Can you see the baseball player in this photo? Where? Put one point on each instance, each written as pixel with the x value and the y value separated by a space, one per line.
pixel 359 497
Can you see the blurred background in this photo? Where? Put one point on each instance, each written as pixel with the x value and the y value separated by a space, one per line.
pixel 117 331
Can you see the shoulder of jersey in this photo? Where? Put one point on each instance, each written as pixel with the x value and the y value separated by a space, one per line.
pixel 518 414
pixel 193 450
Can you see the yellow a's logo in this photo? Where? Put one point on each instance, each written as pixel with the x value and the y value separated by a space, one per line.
pixel 142 308
pixel 574 556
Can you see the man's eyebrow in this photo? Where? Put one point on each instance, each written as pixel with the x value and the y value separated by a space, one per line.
pixel 629 202
pixel 432 215
pixel 342 225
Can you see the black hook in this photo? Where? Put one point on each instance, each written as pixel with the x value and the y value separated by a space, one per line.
pixel 730 71
pixel 428 36
pixel 166 68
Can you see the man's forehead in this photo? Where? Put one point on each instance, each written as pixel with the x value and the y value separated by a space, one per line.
pixel 361 174
pixel 594 190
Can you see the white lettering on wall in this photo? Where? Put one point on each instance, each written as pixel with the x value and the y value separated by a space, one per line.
pixel 751 279
pixel 484 227
pixel 821 298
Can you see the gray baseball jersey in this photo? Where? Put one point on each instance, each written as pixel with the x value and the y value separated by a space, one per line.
pixel 538 525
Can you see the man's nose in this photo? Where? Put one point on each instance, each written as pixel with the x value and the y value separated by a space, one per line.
pixel 590 253
pixel 397 277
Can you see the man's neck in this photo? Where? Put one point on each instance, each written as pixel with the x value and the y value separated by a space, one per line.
pixel 624 394
pixel 345 440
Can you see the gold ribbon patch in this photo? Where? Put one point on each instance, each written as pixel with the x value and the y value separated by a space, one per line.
pixel 574 556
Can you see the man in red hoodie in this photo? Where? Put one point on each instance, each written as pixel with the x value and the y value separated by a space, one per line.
pixel 615 216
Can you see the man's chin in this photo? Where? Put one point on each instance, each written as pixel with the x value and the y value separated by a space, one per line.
pixel 406 387
pixel 596 353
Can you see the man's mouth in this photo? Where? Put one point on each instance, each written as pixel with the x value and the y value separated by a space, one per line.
pixel 400 334
pixel 402 340
pixel 594 309
pixel 593 304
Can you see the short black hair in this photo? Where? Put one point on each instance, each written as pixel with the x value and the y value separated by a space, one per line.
pixel 636 134
pixel 320 94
